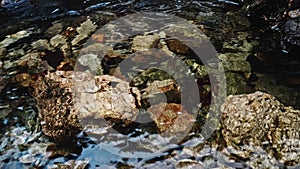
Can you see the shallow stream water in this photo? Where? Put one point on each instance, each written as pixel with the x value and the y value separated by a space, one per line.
pixel 22 143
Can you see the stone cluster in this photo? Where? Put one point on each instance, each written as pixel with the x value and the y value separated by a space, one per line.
pixel 63 102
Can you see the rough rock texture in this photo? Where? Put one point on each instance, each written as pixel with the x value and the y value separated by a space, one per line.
pixel 69 102
pixel 171 117
pixel 259 119
pixel 98 97
pixel 156 92
pixel 144 43
pixel 55 104
pixel 177 46
pixel 106 96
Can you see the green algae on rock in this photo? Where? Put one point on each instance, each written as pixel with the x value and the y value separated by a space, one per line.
pixel 237 84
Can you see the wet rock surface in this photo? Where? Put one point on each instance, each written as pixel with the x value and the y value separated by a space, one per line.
pixel 259 119
pixel 251 143
pixel 171 118
pixel 277 29
pixel 96 98
pixel 234 42
pixel 280 20
pixel 269 83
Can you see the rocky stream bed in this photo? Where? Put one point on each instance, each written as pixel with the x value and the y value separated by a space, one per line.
pixel 65 104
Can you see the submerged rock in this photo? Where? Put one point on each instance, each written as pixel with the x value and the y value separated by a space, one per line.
pixel 55 29
pixel 238 66
pixel 3 52
pixel 70 101
pixel 291 33
pixel 96 97
pixel 268 83
pixel 78 164
pixel 236 84
pixel 144 43
pixel 15 37
pixel 171 117
pixel 154 91
pixel 177 46
pixel 58 40
pixel 41 44
pixel 187 163
pixel 279 23
pixel 259 119
pixel 84 30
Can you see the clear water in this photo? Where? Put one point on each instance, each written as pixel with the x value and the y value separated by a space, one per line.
pixel 22 149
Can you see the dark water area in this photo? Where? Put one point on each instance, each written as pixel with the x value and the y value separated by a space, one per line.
pixel 258 63
pixel 42 12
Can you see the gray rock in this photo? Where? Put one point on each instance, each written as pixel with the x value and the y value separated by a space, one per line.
pixel 144 43
pixel 84 30
pixel 58 40
pixel 15 37
pixel 15 53
pixel 27 159
pixel 55 29
pixel 41 44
